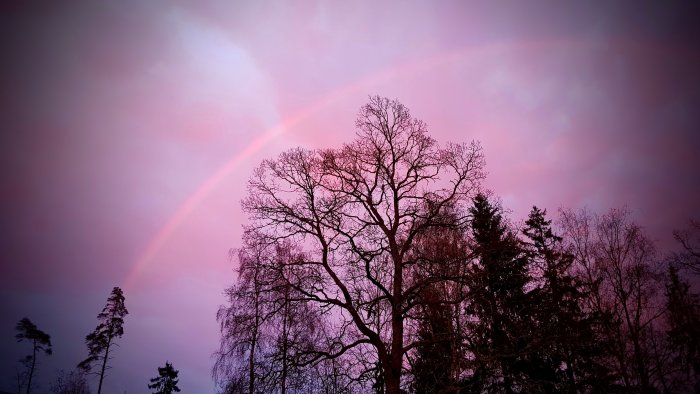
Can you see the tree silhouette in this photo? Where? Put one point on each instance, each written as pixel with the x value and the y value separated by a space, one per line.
pixel 568 356
pixel 433 366
pixel 242 324
pixel 689 239
pixel 356 212
pixel 377 266
pixel 100 341
pixel 41 342
pixel 618 266
pixel 71 383
pixel 439 264
pixel 166 382
pixel 684 327
pixel 265 325
pixel 499 320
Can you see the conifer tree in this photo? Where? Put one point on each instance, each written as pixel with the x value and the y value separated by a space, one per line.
pixel 166 382
pixel 498 332
pixel 41 342
pixel 100 341
pixel 568 352
pixel 433 366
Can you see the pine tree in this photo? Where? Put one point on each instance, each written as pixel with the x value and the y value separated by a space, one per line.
pixel 41 342
pixel 111 327
pixel 166 382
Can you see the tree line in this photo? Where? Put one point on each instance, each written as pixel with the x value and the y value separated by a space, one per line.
pixel 100 343
pixel 383 266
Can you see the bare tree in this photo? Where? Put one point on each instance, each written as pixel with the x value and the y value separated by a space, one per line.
pixel 689 239
pixel 618 264
pixel 356 212
pixel 73 382
pixel 241 325
pixel 265 324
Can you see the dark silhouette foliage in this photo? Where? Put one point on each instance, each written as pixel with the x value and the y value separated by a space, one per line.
pixel 438 264
pixel 41 343
pixel 498 303
pixel 100 341
pixel 166 381
pixel 684 328
pixel 356 212
pixel 689 239
pixel 380 267
pixel 74 382
pixel 433 367
pixel 568 354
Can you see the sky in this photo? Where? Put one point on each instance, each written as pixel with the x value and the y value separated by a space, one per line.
pixel 128 131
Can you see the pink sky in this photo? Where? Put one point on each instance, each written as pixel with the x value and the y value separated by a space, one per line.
pixel 130 129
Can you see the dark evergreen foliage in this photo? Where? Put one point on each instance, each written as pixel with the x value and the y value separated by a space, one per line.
pixel 166 381
pixel 408 282
pixel 434 365
pixel 439 263
pixel 41 342
pixel 499 307
pixel 569 352
pixel 101 340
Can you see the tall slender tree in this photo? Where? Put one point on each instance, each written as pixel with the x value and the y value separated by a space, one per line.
pixel 41 342
pixel 110 327
pixel 265 325
pixel 166 381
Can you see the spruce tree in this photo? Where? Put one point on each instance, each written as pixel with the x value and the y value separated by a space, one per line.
pixel 433 366
pixel 568 353
pixel 166 382
pixel 498 332
pixel 100 341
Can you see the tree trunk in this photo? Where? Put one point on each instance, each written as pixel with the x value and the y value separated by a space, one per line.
pixel 31 371
pixel 254 339
pixel 392 374
pixel 104 366
pixel 285 328
pixel 251 360
pixel 392 382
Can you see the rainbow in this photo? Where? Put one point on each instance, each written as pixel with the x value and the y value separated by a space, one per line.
pixel 206 187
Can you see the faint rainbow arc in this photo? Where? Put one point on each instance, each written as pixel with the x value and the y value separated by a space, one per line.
pixel 222 172
pixel 219 175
